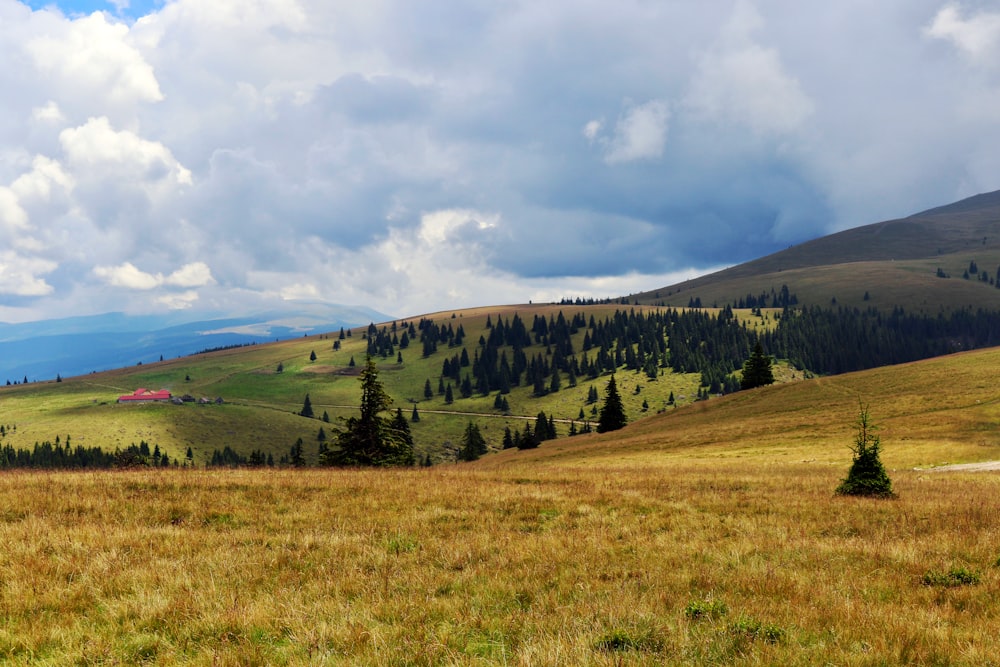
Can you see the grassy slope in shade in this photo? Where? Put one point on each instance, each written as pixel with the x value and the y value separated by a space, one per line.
pixel 895 262
pixel 595 551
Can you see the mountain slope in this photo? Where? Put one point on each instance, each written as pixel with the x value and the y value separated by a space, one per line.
pixel 896 262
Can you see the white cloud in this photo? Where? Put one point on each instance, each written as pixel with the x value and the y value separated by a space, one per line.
pixel 739 81
pixel 977 37
pixel 437 227
pixel 97 143
pixel 49 113
pixel 592 129
pixel 92 56
pixel 181 301
pixel 640 133
pixel 45 174
pixel 195 274
pixel 127 275
pixel 12 215
pixel 20 275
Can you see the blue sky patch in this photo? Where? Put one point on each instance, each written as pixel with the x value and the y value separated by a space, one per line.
pixel 135 9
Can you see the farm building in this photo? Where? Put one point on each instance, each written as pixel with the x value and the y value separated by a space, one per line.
pixel 145 396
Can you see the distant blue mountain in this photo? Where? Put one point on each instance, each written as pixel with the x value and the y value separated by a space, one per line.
pixel 80 345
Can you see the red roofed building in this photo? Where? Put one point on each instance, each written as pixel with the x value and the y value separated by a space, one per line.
pixel 145 396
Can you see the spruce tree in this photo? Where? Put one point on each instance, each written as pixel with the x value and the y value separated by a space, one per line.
pixel 473 443
pixel 757 369
pixel 307 409
pixel 612 416
pixel 508 438
pixel 371 439
pixel 296 454
pixel 867 476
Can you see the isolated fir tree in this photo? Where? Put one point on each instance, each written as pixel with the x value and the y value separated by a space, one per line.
pixel 371 439
pixel 867 476
pixel 312 356
pixel 757 369
pixel 307 408
pixel 415 417
pixel 428 392
pixel 612 416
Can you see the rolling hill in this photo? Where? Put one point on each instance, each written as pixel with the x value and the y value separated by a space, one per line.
pixel 896 263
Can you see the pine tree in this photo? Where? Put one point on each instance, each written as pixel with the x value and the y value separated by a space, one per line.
pixel 312 356
pixel 428 392
pixel 612 416
pixel 415 416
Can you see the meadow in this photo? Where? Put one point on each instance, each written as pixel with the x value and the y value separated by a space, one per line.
pixel 705 535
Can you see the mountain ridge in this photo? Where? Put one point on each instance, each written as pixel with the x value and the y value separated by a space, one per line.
pixel 907 251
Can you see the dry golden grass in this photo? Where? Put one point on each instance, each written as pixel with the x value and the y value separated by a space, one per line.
pixel 706 536
pixel 560 565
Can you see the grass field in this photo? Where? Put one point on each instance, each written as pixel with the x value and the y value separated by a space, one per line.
pixel 708 535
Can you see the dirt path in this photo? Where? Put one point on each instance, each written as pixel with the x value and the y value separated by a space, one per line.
pixel 965 467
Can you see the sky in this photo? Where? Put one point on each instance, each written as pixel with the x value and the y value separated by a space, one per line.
pixel 234 156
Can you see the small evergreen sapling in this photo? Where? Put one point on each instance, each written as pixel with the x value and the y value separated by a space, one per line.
pixel 867 476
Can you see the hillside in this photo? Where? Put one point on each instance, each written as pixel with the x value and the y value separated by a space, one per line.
pixel 895 262
pixel 261 402
pixel 933 412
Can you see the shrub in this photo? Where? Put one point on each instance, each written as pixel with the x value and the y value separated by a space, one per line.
pixel 751 629
pixel 705 609
pixel 956 576
pixel 632 639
